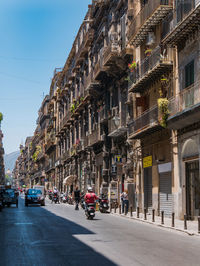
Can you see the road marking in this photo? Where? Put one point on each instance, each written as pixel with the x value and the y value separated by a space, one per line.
pixel 23 223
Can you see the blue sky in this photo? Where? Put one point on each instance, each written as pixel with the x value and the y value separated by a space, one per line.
pixel 36 37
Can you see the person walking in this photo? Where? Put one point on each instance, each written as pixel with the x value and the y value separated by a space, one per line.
pixel 125 201
pixel 77 197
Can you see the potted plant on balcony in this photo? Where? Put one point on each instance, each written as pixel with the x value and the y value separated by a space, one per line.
pixel 132 66
pixel 163 104
pixel 148 52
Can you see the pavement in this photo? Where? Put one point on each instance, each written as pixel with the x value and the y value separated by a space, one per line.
pixel 192 226
pixel 56 234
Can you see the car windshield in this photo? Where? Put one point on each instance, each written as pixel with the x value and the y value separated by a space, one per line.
pixel 34 192
pixel 10 192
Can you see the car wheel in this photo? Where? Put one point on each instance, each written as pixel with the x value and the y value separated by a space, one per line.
pixel 26 204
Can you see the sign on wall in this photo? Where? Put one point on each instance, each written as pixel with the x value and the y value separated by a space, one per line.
pixel 147 161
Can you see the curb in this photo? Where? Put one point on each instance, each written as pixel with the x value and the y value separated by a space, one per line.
pixel 156 224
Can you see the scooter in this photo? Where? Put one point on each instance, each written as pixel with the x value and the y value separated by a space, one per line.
pixel 90 211
pixel 83 204
pixel 103 205
pixel 55 199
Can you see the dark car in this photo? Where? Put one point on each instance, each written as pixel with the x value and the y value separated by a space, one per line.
pixel 10 196
pixel 34 196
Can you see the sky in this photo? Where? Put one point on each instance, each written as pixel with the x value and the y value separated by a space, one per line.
pixel 36 37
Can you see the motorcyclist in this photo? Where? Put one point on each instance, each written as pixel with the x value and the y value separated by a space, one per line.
pixel 77 197
pixel 56 193
pixel 90 197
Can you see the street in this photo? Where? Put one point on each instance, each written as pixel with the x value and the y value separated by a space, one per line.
pixel 59 235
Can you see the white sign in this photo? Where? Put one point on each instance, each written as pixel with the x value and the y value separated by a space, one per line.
pixel 165 167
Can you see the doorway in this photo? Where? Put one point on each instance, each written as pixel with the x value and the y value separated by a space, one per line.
pixel 148 188
pixel 192 189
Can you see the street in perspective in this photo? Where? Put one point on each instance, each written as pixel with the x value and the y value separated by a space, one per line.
pixel 99 162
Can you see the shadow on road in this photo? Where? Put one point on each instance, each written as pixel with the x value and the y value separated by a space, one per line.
pixel 36 236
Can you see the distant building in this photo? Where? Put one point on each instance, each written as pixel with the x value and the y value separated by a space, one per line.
pixel 2 169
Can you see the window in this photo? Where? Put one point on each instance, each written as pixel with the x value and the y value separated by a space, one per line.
pixel 189 74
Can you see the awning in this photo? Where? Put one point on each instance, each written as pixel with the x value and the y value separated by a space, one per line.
pixel 69 180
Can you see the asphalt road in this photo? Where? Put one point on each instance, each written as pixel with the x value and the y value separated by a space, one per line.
pixel 59 235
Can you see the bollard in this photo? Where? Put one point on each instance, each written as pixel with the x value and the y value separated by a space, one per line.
pixel 185 222
pixel 138 212
pixel 173 215
pixel 198 224
pixel 131 211
pixel 115 208
pixel 145 214
pixel 153 215
pixel 120 209
pixel 162 217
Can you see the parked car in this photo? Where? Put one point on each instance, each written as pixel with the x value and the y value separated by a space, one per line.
pixel 10 196
pixel 34 196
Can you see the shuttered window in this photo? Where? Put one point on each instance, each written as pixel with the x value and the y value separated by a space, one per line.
pixel 189 74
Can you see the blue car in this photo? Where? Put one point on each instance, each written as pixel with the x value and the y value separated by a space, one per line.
pixel 34 196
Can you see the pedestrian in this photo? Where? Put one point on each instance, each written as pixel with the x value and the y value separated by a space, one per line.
pixel 125 201
pixel 77 197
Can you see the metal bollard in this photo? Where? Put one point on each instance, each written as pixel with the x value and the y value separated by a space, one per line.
pixel 138 212
pixel 120 211
pixel 153 215
pixel 198 224
pixel 115 208
pixel 162 217
pixel 185 222
pixel 131 211
pixel 145 214
pixel 173 215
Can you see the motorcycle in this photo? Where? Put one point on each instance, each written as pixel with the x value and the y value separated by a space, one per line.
pixel 90 211
pixel 55 199
pixel 83 204
pixel 103 205
pixel 64 199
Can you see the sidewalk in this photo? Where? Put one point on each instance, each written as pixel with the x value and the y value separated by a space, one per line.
pixel 192 226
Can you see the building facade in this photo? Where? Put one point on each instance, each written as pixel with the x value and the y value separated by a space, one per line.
pixel 123 111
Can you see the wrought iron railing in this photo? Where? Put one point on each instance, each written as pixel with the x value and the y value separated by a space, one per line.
pixel 144 14
pixel 186 98
pixel 146 65
pixel 148 118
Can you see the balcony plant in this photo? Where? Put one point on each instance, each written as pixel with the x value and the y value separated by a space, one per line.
pixel 163 104
pixel 148 52
pixel 36 153
pixel 132 65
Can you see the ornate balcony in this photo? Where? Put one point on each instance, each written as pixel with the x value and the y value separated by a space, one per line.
pixel 186 20
pixel 150 68
pixel 151 15
pixel 185 107
pixel 94 137
pixel 110 53
pixel 145 124
pixel 117 124
pixel 50 143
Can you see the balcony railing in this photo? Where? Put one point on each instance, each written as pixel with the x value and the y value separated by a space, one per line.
pixel 110 52
pixel 94 137
pixel 147 120
pixel 186 99
pixel 151 66
pixel 179 28
pixel 150 15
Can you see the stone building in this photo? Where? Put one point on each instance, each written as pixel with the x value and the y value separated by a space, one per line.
pixel 123 111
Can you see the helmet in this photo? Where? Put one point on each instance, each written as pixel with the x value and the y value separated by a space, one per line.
pixel 90 189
